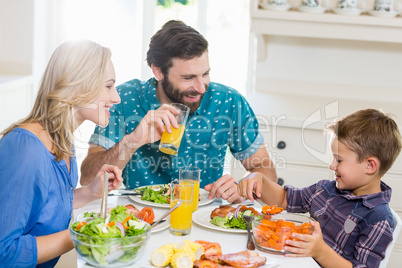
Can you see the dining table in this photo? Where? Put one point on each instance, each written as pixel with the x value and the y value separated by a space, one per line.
pixel 230 241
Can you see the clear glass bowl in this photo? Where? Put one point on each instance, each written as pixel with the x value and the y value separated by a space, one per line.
pixel 110 252
pixel 270 234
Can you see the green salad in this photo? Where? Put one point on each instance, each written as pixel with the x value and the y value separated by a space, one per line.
pixel 157 193
pixel 105 241
pixel 230 221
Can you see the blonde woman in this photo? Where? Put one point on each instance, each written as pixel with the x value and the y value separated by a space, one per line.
pixel 38 169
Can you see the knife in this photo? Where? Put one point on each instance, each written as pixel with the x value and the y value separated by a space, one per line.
pixel 123 193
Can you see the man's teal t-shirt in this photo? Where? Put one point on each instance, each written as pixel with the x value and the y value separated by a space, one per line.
pixel 224 119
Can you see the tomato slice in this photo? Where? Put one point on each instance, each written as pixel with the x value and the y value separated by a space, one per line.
pixel 147 214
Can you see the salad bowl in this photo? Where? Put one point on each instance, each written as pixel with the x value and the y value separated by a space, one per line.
pixel 270 234
pixel 118 242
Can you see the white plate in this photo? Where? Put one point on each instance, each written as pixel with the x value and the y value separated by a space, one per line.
pixel 203 200
pixel 390 14
pixel 202 218
pixel 348 11
pixel 160 227
pixel 276 7
pixel 312 9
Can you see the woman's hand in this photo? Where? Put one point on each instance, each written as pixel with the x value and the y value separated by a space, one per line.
pixel 115 180
pixel 153 124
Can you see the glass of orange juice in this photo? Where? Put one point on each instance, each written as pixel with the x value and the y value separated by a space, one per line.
pixel 170 142
pixel 192 174
pixel 180 218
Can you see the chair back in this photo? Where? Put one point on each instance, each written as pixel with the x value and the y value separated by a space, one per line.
pixel 395 234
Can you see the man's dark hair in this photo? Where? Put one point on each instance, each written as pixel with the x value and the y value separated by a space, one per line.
pixel 175 40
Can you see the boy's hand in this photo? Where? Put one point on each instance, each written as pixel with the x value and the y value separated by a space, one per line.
pixel 248 185
pixel 308 246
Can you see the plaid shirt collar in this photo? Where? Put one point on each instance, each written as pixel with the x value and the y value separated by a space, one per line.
pixel 371 200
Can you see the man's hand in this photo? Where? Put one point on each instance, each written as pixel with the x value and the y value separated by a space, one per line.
pixel 152 125
pixel 224 188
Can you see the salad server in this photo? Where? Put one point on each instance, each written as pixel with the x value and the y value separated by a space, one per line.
pixel 103 211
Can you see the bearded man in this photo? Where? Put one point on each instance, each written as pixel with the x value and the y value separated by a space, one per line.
pixel 220 118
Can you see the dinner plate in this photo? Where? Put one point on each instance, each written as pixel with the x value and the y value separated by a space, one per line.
pixel 276 7
pixel 160 227
pixel 348 11
pixel 312 9
pixel 202 202
pixel 383 14
pixel 202 218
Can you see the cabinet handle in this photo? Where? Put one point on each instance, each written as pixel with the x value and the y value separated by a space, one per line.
pixel 280 181
pixel 281 145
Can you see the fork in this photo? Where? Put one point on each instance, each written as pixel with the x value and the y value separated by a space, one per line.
pixel 250 242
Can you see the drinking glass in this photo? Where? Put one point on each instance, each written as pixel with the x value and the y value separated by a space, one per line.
pixel 170 142
pixel 180 219
pixel 192 174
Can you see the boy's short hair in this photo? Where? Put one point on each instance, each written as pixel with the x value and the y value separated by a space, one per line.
pixel 369 132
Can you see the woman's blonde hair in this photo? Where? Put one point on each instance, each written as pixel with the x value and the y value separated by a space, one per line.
pixel 73 78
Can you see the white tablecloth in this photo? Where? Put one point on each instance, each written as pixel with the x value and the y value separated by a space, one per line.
pixel 230 242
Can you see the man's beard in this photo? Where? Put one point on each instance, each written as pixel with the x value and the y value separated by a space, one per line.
pixel 178 97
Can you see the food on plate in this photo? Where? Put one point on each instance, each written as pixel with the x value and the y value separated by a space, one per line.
pixel 272 234
pixel 188 245
pixel 147 214
pixel 155 193
pixel 104 241
pixel 163 255
pixel 131 209
pixel 179 255
pixel 227 216
pixel 242 259
pixel 203 254
pixel 271 210
pixel 183 260
pixel 210 248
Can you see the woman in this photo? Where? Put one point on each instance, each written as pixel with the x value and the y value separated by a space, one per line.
pixel 38 169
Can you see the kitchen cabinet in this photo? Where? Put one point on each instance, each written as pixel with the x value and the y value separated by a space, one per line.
pixel 307 70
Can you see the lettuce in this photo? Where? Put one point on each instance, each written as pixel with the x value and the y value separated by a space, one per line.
pixel 107 252
pixel 154 196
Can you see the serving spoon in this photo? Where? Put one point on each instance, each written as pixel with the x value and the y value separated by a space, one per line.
pixel 103 211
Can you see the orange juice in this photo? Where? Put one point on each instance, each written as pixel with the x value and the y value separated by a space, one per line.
pixel 196 193
pixel 170 142
pixel 180 219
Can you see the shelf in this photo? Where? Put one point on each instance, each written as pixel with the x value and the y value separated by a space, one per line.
pixel 326 25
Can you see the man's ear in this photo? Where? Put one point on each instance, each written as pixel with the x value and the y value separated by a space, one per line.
pixel 373 165
pixel 157 72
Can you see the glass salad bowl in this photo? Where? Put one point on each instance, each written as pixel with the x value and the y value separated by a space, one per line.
pixel 270 234
pixel 110 243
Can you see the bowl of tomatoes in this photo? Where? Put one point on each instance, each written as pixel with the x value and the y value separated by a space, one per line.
pixel 271 233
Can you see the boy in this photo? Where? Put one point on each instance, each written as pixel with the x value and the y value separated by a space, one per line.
pixel 354 224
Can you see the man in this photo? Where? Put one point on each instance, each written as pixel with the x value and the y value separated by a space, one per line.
pixel 220 118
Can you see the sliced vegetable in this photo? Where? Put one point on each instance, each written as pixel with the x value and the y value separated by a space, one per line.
pixel 236 214
pixel 111 223
pixel 121 228
pixel 124 222
pixel 147 214
pixel 271 210
pixel 80 225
